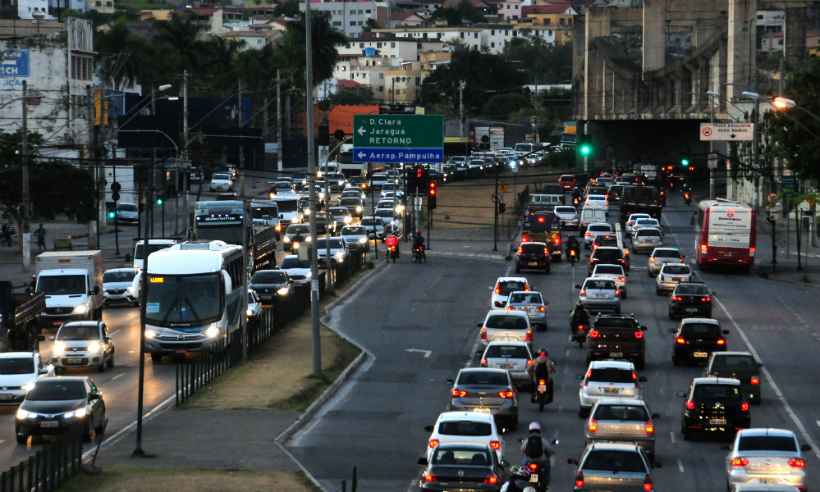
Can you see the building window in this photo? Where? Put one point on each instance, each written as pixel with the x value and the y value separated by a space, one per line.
pixel 352 23
pixel 492 45
pixel 367 11
pixel 392 45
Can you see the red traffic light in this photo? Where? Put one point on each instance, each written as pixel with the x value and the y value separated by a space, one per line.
pixel 431 188
pixel 419 172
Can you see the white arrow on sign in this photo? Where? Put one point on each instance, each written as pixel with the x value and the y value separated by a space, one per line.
pixel 361 131
pixel 362 155
pixel 426 353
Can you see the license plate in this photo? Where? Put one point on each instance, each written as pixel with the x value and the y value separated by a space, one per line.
pixel 533 263
pixel 534 478
pixel 717 421
pixel 50 424
pixel 612 390
pixel 691 310
pixel 542 388
pixel 616 354
pixel 700 355
pixel 482 410
pixel 73 361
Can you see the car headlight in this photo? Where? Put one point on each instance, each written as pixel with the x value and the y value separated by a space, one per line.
pixel 283 291
pixel 150 334
pixel 249 312
pixel 94 347
pixel 25 414
pixel 295 245
pixel 340 257
pixel 348 219
pixel 359 209
pixel 362 240
pixel 306 212
pixel 309 239
pixel 76 414
pixel 81 309
pixel 27 387
pixel 212 332
pixel 286 239
pixel 58 349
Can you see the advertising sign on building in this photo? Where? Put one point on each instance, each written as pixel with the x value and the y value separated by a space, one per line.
pixel 14 63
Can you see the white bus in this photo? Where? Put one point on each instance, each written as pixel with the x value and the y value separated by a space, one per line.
pixel 196 298
pixel 288 205
pixel 140 251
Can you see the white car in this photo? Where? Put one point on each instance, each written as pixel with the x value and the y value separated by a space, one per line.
pixel 221 182
pixel 374 226
pixel 117 286
pixel 513 357
pixel 336 245
pixel 254 309
pixel 646 239
pixel 596 201
pixel 612 272
pixel 633 218
pixel 503 287
pixel 645 222
pixel 503 325
pixel 297 270
pixel 355 237
pixel 607 379
pixel 661 256
pixel 127 213
pixel 465 428
pixel 766 456
pixel 670 275
pixel 567 216
pixel 596 229
pixel 18 372
pixel 386 215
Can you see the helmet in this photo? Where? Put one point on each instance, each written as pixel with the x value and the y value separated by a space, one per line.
pixel 542 352
pixel 535 426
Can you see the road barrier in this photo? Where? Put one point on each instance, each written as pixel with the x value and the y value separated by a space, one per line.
pixel 47 469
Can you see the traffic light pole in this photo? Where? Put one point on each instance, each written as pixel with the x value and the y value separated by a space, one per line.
pixel 495 212
pixel 116 212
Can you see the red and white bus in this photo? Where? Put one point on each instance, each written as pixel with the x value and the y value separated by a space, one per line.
pixel 728 234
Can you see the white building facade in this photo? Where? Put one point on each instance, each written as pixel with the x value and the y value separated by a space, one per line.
pixel 487 38
pixel 350 18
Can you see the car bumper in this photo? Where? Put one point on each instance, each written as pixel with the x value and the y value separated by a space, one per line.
pixel 569 224
pixel 795 479
pixel 689 354
pixel 588 401
pixel 114 298
pixel 36 428
pixel 620 354
pixel 667 285
pixel 508 409
pixel 11 397
pixel 692 311
pixel 601 306
pixel 172 346
pixel 57 320
pixel 527 264
pixel 702 424
pixel 77 360
pixel 648 445
pixel 454 487
pixel 644 246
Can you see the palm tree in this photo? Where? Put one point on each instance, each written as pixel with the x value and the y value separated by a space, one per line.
pixel 290 52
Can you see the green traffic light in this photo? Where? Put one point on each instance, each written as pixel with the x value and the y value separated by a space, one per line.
pixel 586 149
pixel 684 162
pixel 159 201
pixel 111 215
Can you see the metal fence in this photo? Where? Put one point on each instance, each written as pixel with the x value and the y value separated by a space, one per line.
pixel 47 469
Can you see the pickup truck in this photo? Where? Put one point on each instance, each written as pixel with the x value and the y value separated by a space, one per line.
pixel 19 314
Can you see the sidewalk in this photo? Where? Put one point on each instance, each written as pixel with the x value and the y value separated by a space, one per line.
pixel 787 261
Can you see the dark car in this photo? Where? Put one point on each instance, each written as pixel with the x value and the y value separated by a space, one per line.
pixel 462 467
pixel 295 234
pixel 607 255
pixel 532 256
pixel 269 284
pixel 567 181
pixel 615 193
pixel 486 389
pixel 604 240
pixel 355 206
pixel 696 339
pixel 617 336
pixel 714 405
pixel 739 365
pixel 61 405
pixel 690 299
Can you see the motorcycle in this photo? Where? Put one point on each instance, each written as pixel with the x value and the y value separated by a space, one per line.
pixel 518 481
pixel 572 255
pixel 576 200
pixel 392 253
pixel 418 254
pixel 543 393
pixel 579 334
pixel 687 197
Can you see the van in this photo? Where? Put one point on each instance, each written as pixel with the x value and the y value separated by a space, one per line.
pixel 549 199
pixel 589 216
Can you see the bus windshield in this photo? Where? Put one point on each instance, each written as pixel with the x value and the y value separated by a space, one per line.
pixel 287 205
pixel 183 300
pixel 139 250
pixel 231 234
pixel 264 212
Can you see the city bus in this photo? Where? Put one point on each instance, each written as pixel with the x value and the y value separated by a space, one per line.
pixel 140 251
pixel 231 221
pixel 196 298
pixel 727 234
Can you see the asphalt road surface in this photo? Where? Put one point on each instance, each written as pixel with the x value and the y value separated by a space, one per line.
pixel 376 422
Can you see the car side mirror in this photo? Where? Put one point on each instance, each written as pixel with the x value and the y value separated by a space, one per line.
pixel 644 327
pixel 572 461
pixel 656 416
pixel 422 461
pixel 479 325
pixel 580 377
pixel 805 447
pixel 451 381
pixel 725 332
pixel 428 428
pixel 673 330
pixel 641 379
pixel 577 286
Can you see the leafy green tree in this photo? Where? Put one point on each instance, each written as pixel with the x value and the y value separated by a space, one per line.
pixel 544 64
pixel 500 106
pixel 288 8
pixel 290 50
pixel 458 15
pixel 355 95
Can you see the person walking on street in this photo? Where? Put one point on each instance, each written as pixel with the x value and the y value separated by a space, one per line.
pixel 7 234
pixel 41 237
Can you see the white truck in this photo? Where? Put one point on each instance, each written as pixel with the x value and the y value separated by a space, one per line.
pixel 72 283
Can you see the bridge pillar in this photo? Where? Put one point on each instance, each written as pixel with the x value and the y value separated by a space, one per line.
pixel 741 47
pixel 654 35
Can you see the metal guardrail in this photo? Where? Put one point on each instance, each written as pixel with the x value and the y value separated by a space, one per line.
pixel 47 469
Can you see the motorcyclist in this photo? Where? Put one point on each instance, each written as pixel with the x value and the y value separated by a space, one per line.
pixel 519 480
pixel 392 241
pixel 573 245
pixel 576 195
pixel 543 368
pixel 578 316
pixel 535 449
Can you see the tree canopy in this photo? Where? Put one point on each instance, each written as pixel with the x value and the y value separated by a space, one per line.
pixel 458 15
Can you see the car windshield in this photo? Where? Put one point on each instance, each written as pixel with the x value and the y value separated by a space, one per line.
pixel 269 278
pixel 733 362
pixel 184 299
pixel 127 207
pixel 354 231
pixel 565 210
pixel 287 205
pixel 610 375
pixel 338 211
pixel 676 269
pixel 614 460
pixel 350 201
pixel 371 222
pixel 596 197
pixel 464 428
pixel 221 177
pixel 293 263
pixel 56 390
pixel 507 352
pixel 715 391
pixel 691 289
pixel 525 298
pixel 649 233
pixel 615 322
pixel 533 249
pixel 119 276
pixel 502 322
pixel 621 412
pixel 485 378
pixel 608 270
pixel 297 229
pixel 767 443
pixel 511 286
pixel 61 285
pixel 600 228
pixel 385 213
pixel 332 243
pixel 599 284
pixel 700 330
pixel 17 366
pixel 647 222
pixel 461 457
pixel 607 255
pixel 635 217
pixel 139 250
pixel 666 253
pixel 78 332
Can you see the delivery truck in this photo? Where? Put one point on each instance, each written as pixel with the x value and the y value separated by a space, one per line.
pixel 19 315
pixel 72 283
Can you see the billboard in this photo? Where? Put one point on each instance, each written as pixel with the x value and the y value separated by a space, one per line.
pixel 14 63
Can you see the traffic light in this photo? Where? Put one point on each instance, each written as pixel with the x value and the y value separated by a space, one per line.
pixel 585 148
pixel 684 162
pixel 432 194
pixel 111 214
pixel 410 182
pixel 421 180
pixel 160 200
pixel 115 191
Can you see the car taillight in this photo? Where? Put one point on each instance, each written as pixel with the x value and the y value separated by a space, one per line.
pixel 680 340
pixel 458 393
pixel 526 288
pixel 483 362
pixel 428 477
pixel 533 467
pixel 509 309
pixel 498 289
pixel 752 251
pixel 721 342
pixel 797 463
pixel 484 334
pixel 556 241
pixel 528 336
pixel 496 445
pixel 704 249
pixel 581 328
pixel 677 298
pixel 491 480
pixel 520 250
pixel 530 363
pixel 546 251
pixel 433 443
pixel 647 484
pixel 579 480
pixel 594 333
pixel 744 407
pixel 620 278
pixel 649 428
pixel 525 238
pixel 592 426
pixel 634 376
pixel 583 292
pixel 587 234
pixel 755 380
pixel 506 394
pixel 638 334
pixel 706 299
pixel 739 462
pixel 541 309
pixel 690 405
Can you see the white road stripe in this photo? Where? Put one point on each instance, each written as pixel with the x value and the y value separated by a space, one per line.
pixel 680 467
pixel 672 437
pixel 117 376
pixel 770 380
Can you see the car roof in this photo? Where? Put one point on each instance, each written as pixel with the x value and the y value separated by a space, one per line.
pixel 477 416
pixel 607 265
pixel 600 224
pixel 607 248
pixel 615 446
pixel 759 487
pixel 16 355
pixel 64 378
pixel 127 269
pixel 509 343
pixel 666 248
pixel 674 265
pixel 639 214
pixel 504 312
pixel 512 279
pixel 612 364
pixel 767 431
pixel 700 321
pixel 623 401
pixel 527 292
pixel 82 323
pixel 716 380
pixel 529 242
pixel 730 353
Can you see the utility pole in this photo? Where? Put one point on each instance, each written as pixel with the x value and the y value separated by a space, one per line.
pixel 311 156
pixel 711 164
pixel 99 173
pixel 241 145
pixel 279 120
pixel 461 86
pixel 373 209
pixel 25 234
pixel 495 212
pixel 186 157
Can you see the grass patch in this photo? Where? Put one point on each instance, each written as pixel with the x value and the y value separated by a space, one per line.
pixel 123 478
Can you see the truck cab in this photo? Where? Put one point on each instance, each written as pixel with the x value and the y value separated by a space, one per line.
pixel 72 284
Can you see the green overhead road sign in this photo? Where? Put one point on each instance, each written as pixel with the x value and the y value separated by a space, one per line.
pixel 398 138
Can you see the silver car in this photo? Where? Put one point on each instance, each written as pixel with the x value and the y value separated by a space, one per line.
pixel 611 466
pixel 599 295
pixel 513 357
pixel 670 275
pixel 626 420
pixel 532 303
pixel 767 456
pixel 82 344
pixel 567 216
pixel 485 389
pixel 661 256
pixel 117 285
pixel 646 239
